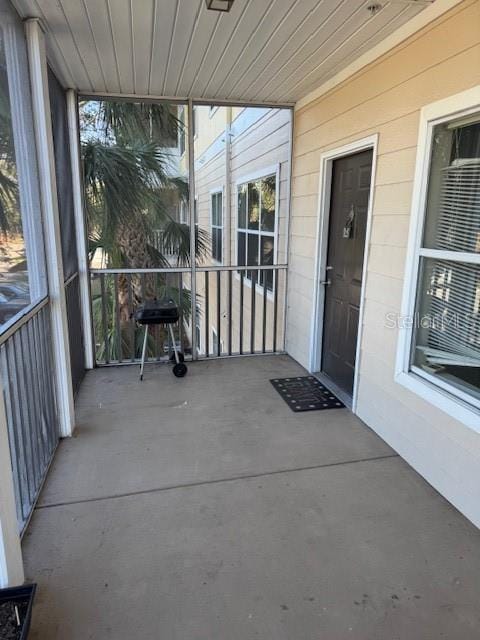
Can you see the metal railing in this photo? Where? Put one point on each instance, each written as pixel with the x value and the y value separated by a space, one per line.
pixel 241 310
pixel 115 295
pixel 28 387
pixel 233 311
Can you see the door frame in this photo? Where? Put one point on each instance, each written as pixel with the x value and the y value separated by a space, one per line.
pixel 323 218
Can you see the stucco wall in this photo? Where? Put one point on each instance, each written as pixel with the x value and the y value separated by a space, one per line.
pixel 386 98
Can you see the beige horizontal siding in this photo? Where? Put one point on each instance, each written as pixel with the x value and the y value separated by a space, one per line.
pixel 393 199
pixel 395 167
pixel 385 98
pixel 390 232
pixel 451 76
pixel 384 289
pixel 261 131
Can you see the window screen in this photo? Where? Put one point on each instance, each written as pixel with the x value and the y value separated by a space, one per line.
pixel 63 171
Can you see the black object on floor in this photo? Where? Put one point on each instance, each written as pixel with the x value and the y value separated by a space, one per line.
pixel 306 393
pixel 164 311
pixel 16 611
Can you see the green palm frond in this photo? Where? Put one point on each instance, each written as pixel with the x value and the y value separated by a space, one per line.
pixel 132 189
pixel 130 185
pixel 145 121
pixel 176 241
pixel 9 212
pixel 122 180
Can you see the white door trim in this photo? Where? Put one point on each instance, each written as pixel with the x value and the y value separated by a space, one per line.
pixel 320 273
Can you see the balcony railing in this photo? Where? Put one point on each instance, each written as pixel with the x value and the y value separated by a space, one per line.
pixel 236 311
pixel 28 387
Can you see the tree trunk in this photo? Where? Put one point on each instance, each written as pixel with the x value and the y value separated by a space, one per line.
pixel 135 290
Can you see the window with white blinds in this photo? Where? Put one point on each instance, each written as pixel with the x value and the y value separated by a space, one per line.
pixel 446 338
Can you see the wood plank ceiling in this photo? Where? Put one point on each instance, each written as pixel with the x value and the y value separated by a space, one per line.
pixel 271 51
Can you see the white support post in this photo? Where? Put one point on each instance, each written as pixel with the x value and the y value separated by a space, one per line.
pixel 228 186
pixel 80 228
pixel 11 563
pixel 53 248
pixel 193 228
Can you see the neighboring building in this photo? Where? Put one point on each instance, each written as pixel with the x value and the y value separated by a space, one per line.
pixel 242 165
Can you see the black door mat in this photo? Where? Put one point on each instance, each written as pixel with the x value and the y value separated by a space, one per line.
pixel 306 393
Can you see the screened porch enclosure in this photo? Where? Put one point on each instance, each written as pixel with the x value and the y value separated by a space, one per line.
pixel 161 150
pixel 38 274
pixel 180 198
pixel 139 200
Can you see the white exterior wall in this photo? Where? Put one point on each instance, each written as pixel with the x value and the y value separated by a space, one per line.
pixel 385 98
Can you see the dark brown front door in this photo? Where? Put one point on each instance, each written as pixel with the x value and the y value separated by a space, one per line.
pixel 346 242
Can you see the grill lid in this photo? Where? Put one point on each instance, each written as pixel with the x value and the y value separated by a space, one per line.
pixel 164 311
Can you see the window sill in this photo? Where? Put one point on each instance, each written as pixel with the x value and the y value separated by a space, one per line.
pixel 440 398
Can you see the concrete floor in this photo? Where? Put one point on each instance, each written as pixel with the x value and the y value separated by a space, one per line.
pixel 204 509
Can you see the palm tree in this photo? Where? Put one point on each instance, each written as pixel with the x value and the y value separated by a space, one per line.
pixel 12 247
pixel 133 188
pixel 10 221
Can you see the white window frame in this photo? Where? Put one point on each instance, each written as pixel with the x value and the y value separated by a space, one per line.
pixel 214 192
pixel 265 172
pixel 446 397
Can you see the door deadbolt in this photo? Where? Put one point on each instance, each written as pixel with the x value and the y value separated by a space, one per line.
pixel 327 282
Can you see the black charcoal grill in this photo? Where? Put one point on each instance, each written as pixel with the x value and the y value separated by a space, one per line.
pixel 165 312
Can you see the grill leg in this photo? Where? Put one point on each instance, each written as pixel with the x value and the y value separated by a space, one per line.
pixel 144 351
pixel 172 337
